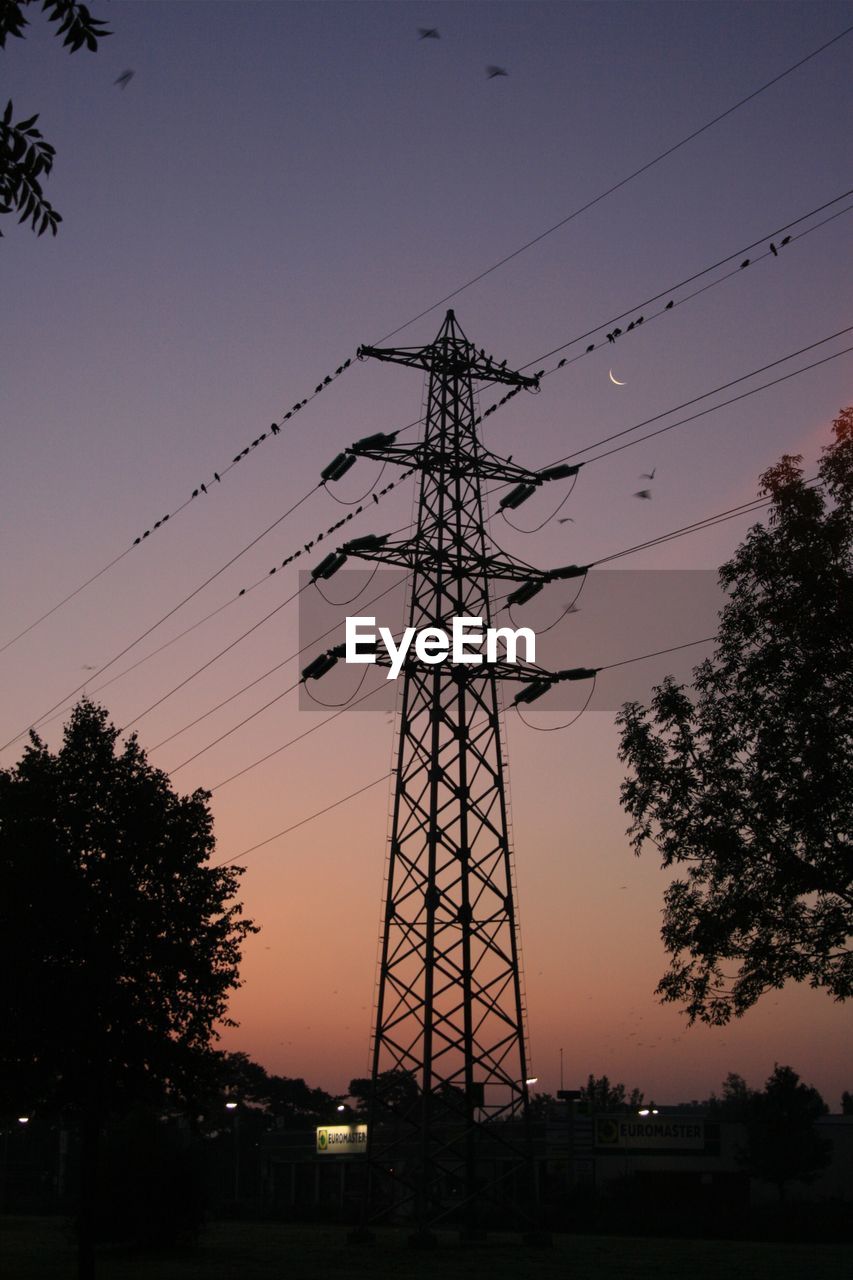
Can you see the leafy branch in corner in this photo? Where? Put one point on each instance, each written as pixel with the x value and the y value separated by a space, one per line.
pixel 75 22
pixel 24 154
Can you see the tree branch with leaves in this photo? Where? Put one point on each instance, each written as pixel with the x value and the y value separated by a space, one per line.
pixel 25 157
pixel 743 780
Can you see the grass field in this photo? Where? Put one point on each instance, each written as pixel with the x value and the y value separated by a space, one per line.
pixel 42 1249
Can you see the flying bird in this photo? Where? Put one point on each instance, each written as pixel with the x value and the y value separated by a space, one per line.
pixel 649 475
pixel 643 493
pixel 492 72
pixel 125 78
pixel 566 520
pixel 428 33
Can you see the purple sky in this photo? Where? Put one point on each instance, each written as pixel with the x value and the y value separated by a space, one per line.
pixel 281 182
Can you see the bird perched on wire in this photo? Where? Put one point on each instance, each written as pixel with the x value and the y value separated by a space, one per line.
pixel 643 493
pixel 492 72
pixel 428 33
pixel 125 78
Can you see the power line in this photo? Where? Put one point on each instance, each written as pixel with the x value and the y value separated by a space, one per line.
pixel 698 275
pixel 585 449
pixel 697 526
pixel 294 826
pixel 353 702
pixel 376 781
pixel 704 396
pixel 723 404
pixel 689 644
pixel 202 489
pixel 709 522
pixel 417 422
pixel 204 666
pixel 616 186
pixel 67 697
pixel 76 592
pixel 258 679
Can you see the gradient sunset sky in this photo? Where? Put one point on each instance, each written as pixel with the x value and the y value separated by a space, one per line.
pixel 280 183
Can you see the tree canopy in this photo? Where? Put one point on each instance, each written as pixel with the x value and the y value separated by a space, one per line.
pixel 783 1145
pixel 600 1094
pixel 119 945
pixel 24 155
pixel 743 780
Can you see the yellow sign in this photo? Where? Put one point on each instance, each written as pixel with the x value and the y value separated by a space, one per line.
pixel 342 1139
pixel 657 1133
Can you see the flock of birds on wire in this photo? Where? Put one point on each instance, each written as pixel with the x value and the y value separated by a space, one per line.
pixel 275 427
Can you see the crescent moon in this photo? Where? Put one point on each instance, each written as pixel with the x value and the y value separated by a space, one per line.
pixel 615 381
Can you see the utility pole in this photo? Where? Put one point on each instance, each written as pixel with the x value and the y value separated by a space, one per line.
pixel 448 1125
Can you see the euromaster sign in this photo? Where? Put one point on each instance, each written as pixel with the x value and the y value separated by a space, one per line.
pixel 655 1134
pixel 342 1140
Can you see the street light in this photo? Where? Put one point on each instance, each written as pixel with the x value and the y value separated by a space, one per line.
pixel 233 1107
pixel 23 1119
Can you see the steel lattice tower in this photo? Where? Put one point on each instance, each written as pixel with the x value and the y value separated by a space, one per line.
pixel 448 1129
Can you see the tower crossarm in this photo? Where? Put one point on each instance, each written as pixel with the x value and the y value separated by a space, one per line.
pixel 487 466
pixel 457 358
pixel 412 553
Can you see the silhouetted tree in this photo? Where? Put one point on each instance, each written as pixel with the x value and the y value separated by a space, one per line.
pixel 847 1103
pixel 736 1102
pixel 746 780
pixel 600 1095
pixel 398 1091
pixel 783 1144
pixel 541 1105
pixel 24 154
pixel 118 945
pixel 282 1097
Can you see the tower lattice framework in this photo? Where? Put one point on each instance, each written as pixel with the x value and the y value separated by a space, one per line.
pixel 448 1131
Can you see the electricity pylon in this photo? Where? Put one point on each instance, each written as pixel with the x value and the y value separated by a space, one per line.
pixel 448 1125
